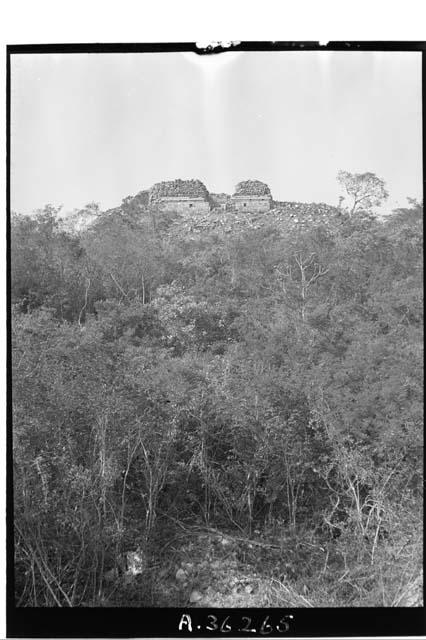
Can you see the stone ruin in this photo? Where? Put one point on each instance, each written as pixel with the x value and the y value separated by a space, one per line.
pixel 252 195
pixel 192 196
pixel 182 196
pixel 251 206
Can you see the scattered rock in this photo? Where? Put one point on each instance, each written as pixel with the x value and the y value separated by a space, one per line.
pixel 180 575
pixel 195 596
pixel 136 562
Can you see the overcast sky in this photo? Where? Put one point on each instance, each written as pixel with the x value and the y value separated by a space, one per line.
pixel 100 127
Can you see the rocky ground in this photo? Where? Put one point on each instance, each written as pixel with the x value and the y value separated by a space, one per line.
pixel 212 573
pixel 285 216
pixel 208 568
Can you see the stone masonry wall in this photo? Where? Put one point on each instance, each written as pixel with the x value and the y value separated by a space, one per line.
pixel 184 205
pixel 251 203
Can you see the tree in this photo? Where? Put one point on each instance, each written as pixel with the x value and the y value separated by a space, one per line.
pixel 365 189
pixel 128 255
pixel 48 266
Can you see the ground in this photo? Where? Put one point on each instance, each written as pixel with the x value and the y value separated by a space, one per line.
pixel 203 567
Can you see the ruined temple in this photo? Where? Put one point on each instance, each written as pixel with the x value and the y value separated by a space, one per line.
pixel 183 196
pixel 252 195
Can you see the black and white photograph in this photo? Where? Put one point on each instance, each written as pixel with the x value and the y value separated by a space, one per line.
pixel 216 311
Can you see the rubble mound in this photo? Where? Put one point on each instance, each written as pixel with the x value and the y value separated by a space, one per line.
pixel 303 214
pixel 284 216
pixel 252 188
pixel 178 188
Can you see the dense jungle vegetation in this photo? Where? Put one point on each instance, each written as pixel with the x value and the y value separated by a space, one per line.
pixel 223 419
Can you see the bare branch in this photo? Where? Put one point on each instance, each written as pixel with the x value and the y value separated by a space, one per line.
pixel 118 285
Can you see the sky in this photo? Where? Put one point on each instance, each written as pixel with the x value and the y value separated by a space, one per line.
pixel 100 127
